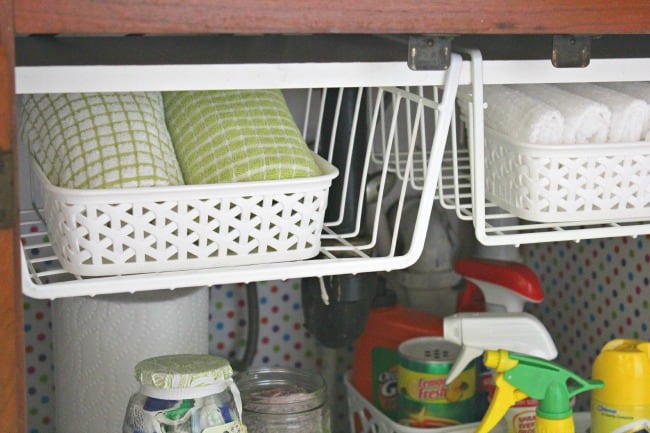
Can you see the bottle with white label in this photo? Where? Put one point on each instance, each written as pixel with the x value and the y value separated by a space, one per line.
pixel 623 405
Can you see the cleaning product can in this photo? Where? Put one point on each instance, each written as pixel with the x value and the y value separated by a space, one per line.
pixel 623 404
pixel 424 398
pixel 520 418
pixel 374 366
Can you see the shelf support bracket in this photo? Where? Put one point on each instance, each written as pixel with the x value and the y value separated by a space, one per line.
pixel 571 51
pixel 429 52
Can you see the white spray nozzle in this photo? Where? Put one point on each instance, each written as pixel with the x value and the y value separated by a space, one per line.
pixel 514 332
pixel 498 298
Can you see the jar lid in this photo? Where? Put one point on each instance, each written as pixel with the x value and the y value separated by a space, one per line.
pixel 183 371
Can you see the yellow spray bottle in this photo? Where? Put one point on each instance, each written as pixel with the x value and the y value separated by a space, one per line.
pixel 521 376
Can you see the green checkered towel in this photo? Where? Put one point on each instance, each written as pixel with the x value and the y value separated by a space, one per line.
pixel 100 140
pixel 235 136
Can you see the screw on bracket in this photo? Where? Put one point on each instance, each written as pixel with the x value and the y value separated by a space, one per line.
pixel 571 51
pixel 429 52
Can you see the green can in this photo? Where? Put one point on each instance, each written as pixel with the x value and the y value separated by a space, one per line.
pixel 424 399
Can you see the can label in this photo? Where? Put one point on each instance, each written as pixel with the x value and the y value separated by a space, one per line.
pixel 426 401
pixel 384 380
pixel 627 419
pixel 521 417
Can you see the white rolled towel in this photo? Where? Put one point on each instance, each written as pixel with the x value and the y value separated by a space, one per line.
pixel 585 120
pixel 629 114
pixel 637 89
pixel 522 117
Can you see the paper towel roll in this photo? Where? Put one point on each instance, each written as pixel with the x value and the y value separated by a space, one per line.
pixel 97 342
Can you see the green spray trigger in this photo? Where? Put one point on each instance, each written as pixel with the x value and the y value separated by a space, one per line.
pixel 521 376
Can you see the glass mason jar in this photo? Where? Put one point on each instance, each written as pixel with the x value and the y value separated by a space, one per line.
pixel 284 400
pixel 184 394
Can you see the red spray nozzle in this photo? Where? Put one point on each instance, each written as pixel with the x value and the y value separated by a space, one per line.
pixel 505 284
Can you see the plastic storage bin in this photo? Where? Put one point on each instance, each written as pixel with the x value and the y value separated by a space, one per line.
pixel 505 221
pixel 154 229
pixel 365 418
pixel 400 119
pixel 585 182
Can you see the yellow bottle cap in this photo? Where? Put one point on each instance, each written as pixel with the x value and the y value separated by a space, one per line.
pixel 624 366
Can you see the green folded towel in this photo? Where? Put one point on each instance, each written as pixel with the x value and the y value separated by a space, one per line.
pixel 100 140
pixel 235 136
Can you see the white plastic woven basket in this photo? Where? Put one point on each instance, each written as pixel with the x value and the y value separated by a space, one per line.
pixel 154 229
pixel 586 182
pixel 365 418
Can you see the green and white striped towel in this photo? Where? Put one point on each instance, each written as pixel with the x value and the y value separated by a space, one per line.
pixel 100 140
pixel 236 136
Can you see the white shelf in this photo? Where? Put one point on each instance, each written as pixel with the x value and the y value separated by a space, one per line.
pixel 462 185
pixel 542 71
pixel 44 278
pixel 406 148
pixel 407 131
pixel 86 78
pixel 499 227
pixel 130 78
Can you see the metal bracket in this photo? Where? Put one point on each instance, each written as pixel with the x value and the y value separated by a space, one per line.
pixel 7 205
pixel 571 51
pixel 429 52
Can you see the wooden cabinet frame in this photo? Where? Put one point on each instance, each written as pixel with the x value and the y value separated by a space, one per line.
pixel 24 17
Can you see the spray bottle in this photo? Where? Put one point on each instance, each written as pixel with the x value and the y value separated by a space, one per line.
pixel 503 286
pixel 519 348
pixel 519 377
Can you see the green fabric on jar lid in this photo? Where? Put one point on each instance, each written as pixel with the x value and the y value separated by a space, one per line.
pixel 182 371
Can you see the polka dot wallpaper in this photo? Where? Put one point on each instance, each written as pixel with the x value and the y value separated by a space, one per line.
pixel 596 290
pixel 39 368
pixel 282 339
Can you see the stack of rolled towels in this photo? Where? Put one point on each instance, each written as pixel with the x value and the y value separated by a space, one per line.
pixel 142 139
pixel 569 113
